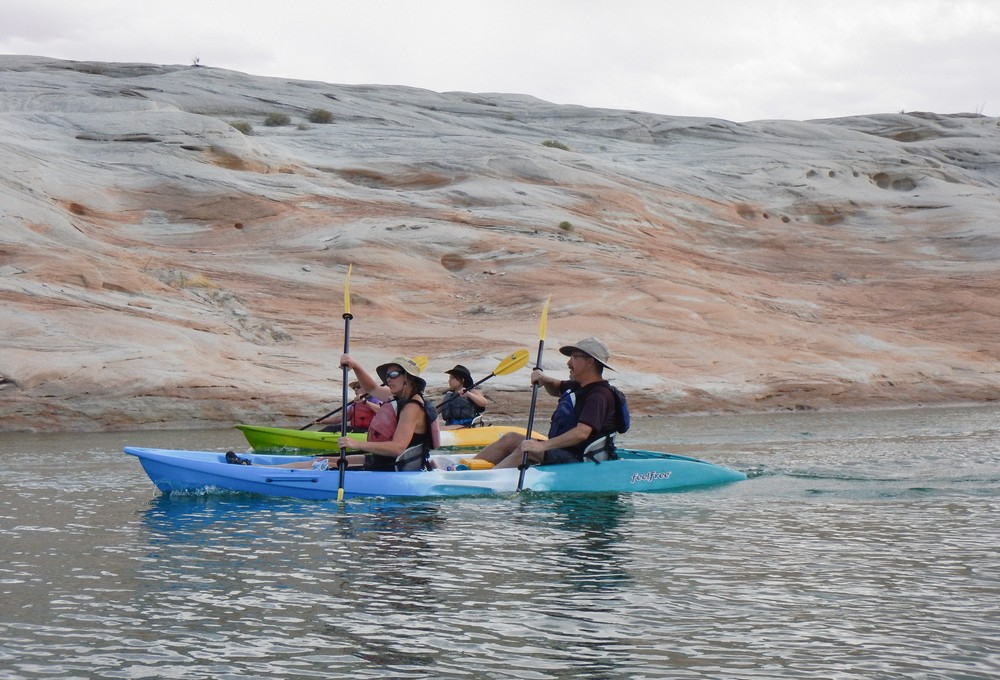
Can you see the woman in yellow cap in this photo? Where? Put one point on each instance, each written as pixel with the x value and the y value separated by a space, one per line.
pixel 404 421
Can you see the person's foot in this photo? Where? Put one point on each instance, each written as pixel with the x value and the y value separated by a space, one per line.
pixel 233 459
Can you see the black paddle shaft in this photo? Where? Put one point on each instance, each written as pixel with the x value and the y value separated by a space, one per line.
pixel 342 461
pixel 531 418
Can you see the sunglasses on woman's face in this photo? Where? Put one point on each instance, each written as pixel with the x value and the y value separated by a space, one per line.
pixel 393 374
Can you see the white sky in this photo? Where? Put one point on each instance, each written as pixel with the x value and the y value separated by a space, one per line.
pixel 734 59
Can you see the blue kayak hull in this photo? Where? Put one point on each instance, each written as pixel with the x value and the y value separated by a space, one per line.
pixel 635 471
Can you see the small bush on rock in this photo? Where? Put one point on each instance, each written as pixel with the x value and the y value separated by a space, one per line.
pixel 276 119
pixel 243 126
pixel 320 116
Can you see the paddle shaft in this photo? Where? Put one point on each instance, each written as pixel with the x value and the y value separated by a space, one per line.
pixel 342 461
pixel 333 412
pixel 324 417
pixel 531 418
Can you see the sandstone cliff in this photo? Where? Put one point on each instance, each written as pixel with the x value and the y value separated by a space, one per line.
pixel 159 267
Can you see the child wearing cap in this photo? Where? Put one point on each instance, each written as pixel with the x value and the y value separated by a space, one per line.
pixel 462 402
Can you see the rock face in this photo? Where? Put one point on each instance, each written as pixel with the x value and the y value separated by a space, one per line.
pixel 159 267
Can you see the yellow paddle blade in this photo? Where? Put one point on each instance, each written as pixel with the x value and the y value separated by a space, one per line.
pixel 347 291
pixel 421 362
pixel 545 318
pixel 512 362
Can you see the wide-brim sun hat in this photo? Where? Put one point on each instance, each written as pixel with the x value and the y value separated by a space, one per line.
pixel 463 375
pixel 409 367
pixel 592 347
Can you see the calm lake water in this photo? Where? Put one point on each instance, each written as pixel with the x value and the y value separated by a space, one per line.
pixel 865 545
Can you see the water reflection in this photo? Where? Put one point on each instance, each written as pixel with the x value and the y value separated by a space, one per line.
pixel 593 533
pixel 356 580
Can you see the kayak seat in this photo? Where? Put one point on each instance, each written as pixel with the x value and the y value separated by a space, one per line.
pixel 601 449
pixel 411 459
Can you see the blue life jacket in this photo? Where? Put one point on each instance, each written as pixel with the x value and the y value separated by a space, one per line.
pixel 564 418
pixel 567 416
pixel 624 418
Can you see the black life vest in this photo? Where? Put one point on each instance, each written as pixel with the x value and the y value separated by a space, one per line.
pixel 458 410
pixel 383 427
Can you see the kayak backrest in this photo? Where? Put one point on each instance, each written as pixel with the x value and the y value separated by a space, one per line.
pixel 601 449
pixel 411 459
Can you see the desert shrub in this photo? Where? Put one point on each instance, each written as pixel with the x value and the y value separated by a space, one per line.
pixel 320 116
pixel 553 144
pixel 243 126
pixel 276 119
pixel 182 279
pixel 566 225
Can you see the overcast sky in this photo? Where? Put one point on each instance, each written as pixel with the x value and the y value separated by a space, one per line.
pixel 734 59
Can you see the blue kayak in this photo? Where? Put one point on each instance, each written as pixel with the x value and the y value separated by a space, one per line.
pixel 633 471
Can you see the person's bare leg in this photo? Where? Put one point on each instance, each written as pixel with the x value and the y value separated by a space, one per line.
pixel 515 457
pixel 501 448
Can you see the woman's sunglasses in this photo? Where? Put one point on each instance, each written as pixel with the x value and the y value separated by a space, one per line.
pixel 393 374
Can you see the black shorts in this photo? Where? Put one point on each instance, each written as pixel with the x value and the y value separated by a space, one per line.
pixel 559 456
pixel 375 463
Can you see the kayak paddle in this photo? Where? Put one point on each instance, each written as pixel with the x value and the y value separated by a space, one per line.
pixel 534 393
pixel 510 363
pixel 342 461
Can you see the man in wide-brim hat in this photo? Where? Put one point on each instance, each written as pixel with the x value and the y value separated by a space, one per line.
pixel 587 411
